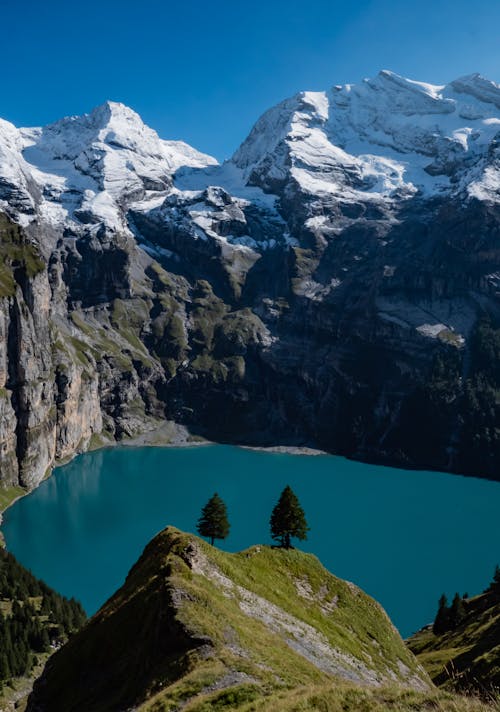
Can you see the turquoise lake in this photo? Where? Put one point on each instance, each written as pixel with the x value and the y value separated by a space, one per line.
pixel 405 537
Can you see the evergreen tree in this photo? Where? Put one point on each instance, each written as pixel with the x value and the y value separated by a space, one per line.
pixel 28 628
pixel 495 584
pixel 441 622
pixel 457 611
pixel 288 519
pixel 45 641
pixel 213 522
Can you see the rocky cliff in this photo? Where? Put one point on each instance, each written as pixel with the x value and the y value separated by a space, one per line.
pixel 336 283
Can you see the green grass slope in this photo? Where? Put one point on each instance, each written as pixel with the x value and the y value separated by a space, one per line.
pixel 342 697
pixel 467 657
pixel 193 625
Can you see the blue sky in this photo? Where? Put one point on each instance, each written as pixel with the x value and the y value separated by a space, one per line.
pixel 204 71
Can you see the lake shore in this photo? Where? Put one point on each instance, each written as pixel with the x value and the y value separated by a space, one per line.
pixel 286 449
pixel 171 434
pixel 168 434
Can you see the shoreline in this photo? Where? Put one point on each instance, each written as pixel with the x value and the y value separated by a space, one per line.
pixel 171 434
pixel 302 450
pixel 166 434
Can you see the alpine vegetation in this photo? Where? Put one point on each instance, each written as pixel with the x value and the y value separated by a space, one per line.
pixel 461 650
pixel 34 620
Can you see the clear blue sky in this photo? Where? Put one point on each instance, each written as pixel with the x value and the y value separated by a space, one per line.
pixel 204 71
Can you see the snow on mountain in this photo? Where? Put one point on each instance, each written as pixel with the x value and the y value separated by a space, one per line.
pixel 380 142
pixel 386 138
pixel 87 168
pixel 15 175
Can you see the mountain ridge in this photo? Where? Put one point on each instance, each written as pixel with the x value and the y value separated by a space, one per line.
pixel 324 125
pixel 194 628
pixel 261 620
pixel 335 284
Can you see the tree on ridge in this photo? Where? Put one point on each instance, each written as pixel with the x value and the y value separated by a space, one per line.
pixel 213 522
pixel 495 584
pixel 441 622
pixel 288 519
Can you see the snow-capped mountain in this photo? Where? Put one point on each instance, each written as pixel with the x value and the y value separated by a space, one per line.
pixel 86 169
pixel 382 142
pixel 336 282
pixel 386 138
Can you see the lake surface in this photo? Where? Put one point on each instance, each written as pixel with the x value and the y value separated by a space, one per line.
pixel 405 537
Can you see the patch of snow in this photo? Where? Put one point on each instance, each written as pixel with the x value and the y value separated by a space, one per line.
pixel 431 330
pixel 378 143
pixel 316 222
pixel 156 251
pixel 229 177
pixel 455 315
pixel 394 319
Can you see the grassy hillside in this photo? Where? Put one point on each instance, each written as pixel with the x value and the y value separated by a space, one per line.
pixel 264 630
pixel 341 697
pixel 193 625
pixel 467 657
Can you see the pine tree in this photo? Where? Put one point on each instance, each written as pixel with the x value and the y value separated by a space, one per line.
pixel 457 611
pixel 45 641
pixel 495 584
pixel 27 629
pixel 213 522
pixel 441 622
pixel 288 519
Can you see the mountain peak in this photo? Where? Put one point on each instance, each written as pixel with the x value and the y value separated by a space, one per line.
pixel 478 87
pixel 348 142
pixel 95 163
pixel 410 92
pixel 112 112
pixel 111 122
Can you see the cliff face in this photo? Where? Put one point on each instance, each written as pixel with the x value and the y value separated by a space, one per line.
pixel 193 625
pixel 52 385
pixel 335 284
pixel 28 417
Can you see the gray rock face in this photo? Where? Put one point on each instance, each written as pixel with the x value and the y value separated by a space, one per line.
pixel 307 292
